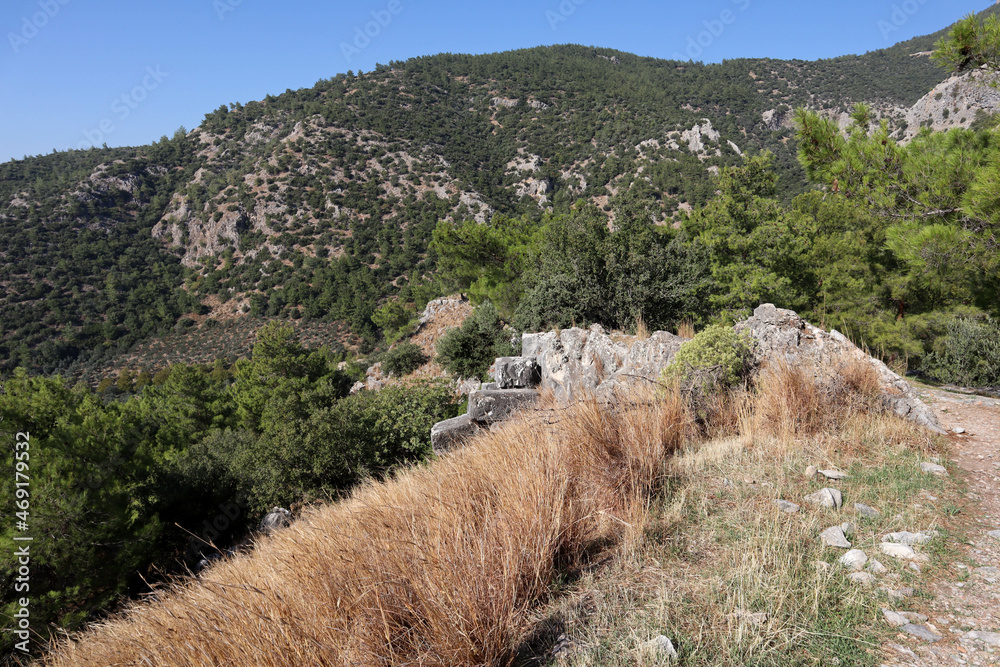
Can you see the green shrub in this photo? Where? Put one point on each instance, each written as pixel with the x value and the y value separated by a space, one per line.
pixel 469 351
pixel 968 354
pixel 403 359
pixel 716 357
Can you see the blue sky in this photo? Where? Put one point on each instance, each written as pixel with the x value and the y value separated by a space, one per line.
pixel 76 72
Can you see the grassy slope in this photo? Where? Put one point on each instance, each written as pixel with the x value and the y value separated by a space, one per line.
pixel 610 526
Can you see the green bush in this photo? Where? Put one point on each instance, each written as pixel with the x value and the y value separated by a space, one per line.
pixel 469 351
pixel 717 357
pixel 967 355
pixel 403 359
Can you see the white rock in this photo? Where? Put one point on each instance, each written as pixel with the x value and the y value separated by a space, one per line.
pixel 894 618
pixel 854 559
pixel 933 468
pixel 863 578
pixel 662 647
pixel 958 429
pixel 830 498
pixel 907 538
pixel 834 537
pixel 834 474
pixel 902 552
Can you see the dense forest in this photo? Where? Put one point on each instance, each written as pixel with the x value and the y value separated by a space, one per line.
pixel 556 186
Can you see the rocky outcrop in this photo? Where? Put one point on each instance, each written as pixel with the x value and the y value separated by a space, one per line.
pixel 782 334
pixel 954 102
pixel 579 363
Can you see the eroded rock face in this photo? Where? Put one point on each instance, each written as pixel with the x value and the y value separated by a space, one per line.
pixel 783 335
pixel 577 363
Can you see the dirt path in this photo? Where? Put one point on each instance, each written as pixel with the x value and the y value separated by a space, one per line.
pixel 966 607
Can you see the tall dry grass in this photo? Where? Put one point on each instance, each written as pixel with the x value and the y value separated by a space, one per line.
pixel 440 566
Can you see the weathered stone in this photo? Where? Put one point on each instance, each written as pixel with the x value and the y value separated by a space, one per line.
pixel 933 468
pixel 899 593
pixel 834 537
pixel 499 404
pixel 875 567
pixel 913 617
pixel 276 519
pixel 452 433
pixel 662 648
pixel 958 429
pixel 901 551
pixel 894 618
pixel 810 472
pixel 863 578
pixel 787 506
pixel 854 559
pixel 907 538
pixel 848 528
pixel 834 474
pixel 467 386
pixel 516 372
pixel 867 511
pixel 990 638
pixel 829 498
pixel 781 334
pixel 580 363
pixel 920 632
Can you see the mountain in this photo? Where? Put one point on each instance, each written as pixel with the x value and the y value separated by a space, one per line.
pixel 317 203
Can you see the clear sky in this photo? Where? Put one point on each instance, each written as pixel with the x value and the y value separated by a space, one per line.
pixel 77 72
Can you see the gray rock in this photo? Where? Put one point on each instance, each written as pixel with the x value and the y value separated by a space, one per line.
pixel 933 468
pixel 662 648
pixel 782 334
pixel 867 511
pixel 901 551
pixel 274 520
pixel 875 567
pixel 830 498
pixel 834 474
pixel 834 537
pixel 854 559
pixel 466 387
pixel 990 638
pixel 894 618
pixel 848 528
pixel 811 472
pixel 920 632
pixel 497 405
pixel 452 433
pixel 863 578
pixel 787 506
pixel 577 363
pixel 489 386
pixel 995 534
pixel 517 372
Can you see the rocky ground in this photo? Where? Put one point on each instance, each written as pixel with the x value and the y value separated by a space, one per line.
pixel 962 625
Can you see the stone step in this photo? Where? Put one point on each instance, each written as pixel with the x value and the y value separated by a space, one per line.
pixel 493 405
pixel 452 433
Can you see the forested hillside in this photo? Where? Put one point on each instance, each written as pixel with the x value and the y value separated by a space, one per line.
pixel 317 204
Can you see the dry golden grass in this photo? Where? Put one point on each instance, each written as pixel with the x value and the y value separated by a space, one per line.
pixel 686 329
pixel 439 566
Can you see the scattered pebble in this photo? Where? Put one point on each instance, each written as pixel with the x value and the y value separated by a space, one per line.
pixel 894 618
pixel 958 429
pixel 787 506
pixel 834 474
pixel 867 511
pixel 854 559
pixel 811 471
pixel 834 537
pixel 829 498
pixel 907 538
